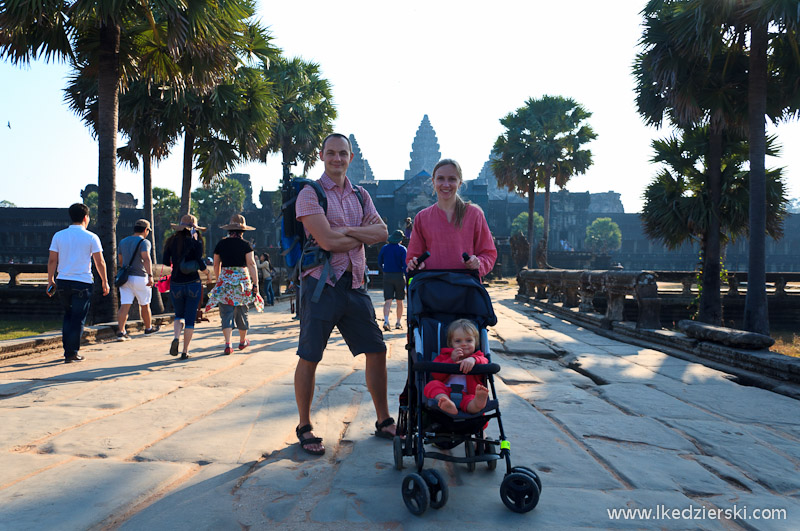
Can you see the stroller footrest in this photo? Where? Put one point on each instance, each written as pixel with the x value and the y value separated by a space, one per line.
pixel 483 458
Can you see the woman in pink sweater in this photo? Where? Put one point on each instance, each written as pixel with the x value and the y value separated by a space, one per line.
pixel 450 227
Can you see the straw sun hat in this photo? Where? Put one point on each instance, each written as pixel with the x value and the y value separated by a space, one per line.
pixel 237 223
pixel 188 221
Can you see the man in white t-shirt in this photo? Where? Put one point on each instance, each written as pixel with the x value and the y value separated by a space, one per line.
pixel 71 253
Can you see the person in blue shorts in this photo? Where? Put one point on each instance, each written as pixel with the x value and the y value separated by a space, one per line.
pixel 392 261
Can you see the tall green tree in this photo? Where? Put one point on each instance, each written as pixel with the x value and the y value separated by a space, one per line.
pixel 218 201
pixel 304 113
pixel 515 169
pixel 89 35
pixel 166 206
pixel 694 88
pixel 546 136
pixel 767 31
pixel 520 224
pixel 225 127
pixel 603 235
pixel 678 204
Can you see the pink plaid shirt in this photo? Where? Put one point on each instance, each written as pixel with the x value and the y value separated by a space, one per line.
pixel 344 210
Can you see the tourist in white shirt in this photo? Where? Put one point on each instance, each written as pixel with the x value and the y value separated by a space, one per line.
pixel 71 253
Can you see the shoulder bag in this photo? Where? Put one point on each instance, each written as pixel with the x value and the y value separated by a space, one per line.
pixel 187 266
pixel 123 272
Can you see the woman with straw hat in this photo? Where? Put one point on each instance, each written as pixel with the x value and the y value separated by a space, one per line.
pixel 184 252
pixel 237 282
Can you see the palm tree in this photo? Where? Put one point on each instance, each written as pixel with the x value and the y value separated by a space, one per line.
pixel 551 131
pixel 231 121
pixel 152 130
pixel 771 27
pixel 678 205
pixel 224 127
pixel 515 169
pixel 785 18
pixel 693 89
pixel 89 34
pixel 305 113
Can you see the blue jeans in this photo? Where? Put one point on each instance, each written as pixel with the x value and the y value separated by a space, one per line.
pixel 269 295
pixel 229 313
pixel 185 300
pixel 75 298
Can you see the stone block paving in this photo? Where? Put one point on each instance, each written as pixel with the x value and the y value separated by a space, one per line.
pixel 132 438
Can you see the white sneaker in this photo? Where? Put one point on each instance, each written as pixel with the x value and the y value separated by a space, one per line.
pixel 123 336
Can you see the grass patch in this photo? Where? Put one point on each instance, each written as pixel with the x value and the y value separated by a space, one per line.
pixel 14 329
pixel 787 345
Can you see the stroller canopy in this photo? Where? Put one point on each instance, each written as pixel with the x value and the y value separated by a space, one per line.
pixel 457 294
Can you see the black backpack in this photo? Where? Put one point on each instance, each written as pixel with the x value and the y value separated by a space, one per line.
pixel 301 252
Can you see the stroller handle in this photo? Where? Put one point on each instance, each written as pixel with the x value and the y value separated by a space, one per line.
pixel 452 368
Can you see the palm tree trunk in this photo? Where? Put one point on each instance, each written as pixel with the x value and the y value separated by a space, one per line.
pixel 531 224
pixel 188 155
pixel 107 115
pixel 756 317
pixel 710 301
pixel 156 304
pixel 546 232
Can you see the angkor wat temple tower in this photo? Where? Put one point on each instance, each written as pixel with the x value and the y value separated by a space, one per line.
pixel 424 150
pixel 359 169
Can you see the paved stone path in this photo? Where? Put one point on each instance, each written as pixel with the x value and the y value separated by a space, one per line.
pixel 132 438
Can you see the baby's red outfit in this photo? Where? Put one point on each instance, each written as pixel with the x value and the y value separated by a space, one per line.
pixel 441 382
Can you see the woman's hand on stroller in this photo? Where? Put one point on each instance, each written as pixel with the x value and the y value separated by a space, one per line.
pixel 414 264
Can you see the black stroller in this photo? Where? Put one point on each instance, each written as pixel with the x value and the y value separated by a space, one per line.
pixel 435 299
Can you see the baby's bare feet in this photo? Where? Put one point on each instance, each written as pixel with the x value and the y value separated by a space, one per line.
pixel 479 402
pixel 447 405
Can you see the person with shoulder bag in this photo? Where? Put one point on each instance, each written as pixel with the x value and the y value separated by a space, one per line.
pixel 184 252
pixel 134 254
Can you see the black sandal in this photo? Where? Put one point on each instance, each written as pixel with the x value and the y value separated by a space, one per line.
pixel 300 430
pixel 379 429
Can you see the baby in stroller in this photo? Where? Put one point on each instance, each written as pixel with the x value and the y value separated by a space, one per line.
pixel 462 338
pixel 450 397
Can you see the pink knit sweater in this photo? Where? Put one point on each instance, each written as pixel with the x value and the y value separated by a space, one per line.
pixel 432 232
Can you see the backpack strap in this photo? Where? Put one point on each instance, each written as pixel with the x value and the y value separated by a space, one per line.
pixel 359 194
pixel 321 196
pixel 327 270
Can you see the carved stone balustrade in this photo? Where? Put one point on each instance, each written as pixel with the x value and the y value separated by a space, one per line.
pixel 578 288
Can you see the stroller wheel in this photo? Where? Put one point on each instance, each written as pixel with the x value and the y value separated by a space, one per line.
pixel 398 452
pixel 519 492
pixel 469 450
pixel 437 488
pixel 415 494
pixel 531 473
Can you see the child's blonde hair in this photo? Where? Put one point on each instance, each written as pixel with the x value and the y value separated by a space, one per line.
pixel 465 325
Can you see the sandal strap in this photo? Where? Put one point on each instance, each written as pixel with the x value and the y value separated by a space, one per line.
pixel 310 440
pixel 384 424
pixel 300 430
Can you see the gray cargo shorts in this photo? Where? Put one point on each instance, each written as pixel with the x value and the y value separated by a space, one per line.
pixel 350 310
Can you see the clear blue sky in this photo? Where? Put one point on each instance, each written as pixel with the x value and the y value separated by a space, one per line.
pixel 465 64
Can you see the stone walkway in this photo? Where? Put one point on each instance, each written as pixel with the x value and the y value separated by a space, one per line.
pixel 132 438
